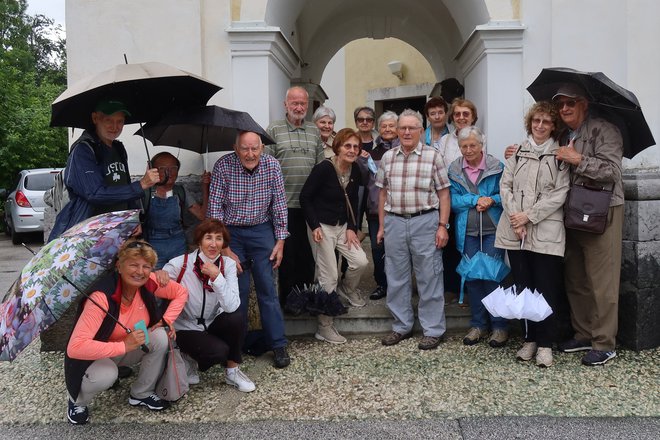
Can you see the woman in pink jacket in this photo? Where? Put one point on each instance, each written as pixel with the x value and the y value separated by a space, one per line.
pixel 98 344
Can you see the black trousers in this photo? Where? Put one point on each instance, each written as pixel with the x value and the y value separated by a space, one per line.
pixel 222 341
pixel 544 273
pixel 297 266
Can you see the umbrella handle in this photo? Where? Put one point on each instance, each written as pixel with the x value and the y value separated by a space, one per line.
pixel 481 231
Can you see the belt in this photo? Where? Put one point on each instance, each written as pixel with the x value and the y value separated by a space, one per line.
pixel 414 214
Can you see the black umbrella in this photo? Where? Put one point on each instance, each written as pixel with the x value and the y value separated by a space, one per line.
pixel 147 89
pixel 202 129
pixel 606 99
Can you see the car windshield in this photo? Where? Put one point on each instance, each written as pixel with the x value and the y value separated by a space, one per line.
pixel 39 182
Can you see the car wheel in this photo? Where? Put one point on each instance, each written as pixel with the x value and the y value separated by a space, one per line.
pixel 16 238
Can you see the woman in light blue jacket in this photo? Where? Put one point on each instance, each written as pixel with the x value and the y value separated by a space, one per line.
pixel 475 201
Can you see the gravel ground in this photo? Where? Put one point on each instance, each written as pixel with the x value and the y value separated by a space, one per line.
pixel 363 380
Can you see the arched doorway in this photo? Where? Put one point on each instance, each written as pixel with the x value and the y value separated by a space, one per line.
pixel 459 39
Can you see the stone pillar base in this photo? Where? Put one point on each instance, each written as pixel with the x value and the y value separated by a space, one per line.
pixel 639 297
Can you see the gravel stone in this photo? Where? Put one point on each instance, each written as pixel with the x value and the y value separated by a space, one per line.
pixel 362 380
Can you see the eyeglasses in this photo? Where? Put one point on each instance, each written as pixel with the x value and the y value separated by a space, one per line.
pixel 138 245
pixel 351 146
pixel 364 120
pixel 537 121
pixel 464 114
pixel 411 129
pixel 570 103
pixel 246 149
pixel 172 169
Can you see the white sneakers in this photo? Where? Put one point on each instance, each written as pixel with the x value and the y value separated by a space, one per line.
pixel 236 378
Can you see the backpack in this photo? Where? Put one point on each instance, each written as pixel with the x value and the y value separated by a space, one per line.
pixel 58 196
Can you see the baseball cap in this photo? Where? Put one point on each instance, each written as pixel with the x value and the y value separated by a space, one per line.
pixel 570 90
pixel 111 106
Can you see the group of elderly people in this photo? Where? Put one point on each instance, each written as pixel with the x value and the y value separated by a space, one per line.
pixel 404 181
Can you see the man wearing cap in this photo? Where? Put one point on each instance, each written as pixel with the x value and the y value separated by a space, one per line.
pixel 96 174
pixel 594 148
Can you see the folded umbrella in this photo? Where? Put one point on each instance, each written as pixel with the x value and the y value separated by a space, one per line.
pixel 606 99
pixel 480 266
pixel 49 284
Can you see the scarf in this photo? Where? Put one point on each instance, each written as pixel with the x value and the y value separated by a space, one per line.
pixel 205 279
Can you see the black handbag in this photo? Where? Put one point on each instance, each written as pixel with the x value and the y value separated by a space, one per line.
pixel 586 208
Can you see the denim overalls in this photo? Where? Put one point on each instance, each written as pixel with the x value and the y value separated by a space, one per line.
pixel 164 229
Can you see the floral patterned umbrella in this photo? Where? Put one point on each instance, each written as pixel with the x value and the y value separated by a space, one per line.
pixel 41 294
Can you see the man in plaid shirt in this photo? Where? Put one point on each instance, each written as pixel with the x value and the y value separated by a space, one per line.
pixel 413 211
pixel 247 194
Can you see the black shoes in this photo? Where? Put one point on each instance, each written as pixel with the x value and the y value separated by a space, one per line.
pixel 282 359
pixel 77 414
pixel 573 345
pixel 378 293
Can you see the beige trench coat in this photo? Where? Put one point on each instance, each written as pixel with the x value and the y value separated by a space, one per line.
pixel 537 185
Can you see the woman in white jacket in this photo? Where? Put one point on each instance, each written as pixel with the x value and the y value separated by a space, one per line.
pixel 211 329
pixel 533 189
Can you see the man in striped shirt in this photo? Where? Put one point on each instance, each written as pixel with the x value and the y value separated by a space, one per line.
pixel 299 147
pixel 413 211
pixel 247 194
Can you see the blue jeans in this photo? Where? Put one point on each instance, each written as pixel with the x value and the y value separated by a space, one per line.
pixel 478 289
pixel 253 246
pixel 377 254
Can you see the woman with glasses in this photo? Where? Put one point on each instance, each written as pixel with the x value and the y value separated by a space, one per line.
pixel 464 114
pixel 436 114
pixel 475 200
pixel 166 205
pixel 101 342
pixel 533 190
pixel 329 201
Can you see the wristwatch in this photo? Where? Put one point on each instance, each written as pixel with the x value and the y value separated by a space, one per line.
pixel 446 225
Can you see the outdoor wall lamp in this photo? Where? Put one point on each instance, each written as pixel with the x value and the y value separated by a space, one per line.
pixel 396 67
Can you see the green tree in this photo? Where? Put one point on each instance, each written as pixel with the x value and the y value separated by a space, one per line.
pixel 32 74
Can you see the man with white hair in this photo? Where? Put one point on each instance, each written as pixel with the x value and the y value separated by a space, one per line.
pixel 299 147
pixel 413 210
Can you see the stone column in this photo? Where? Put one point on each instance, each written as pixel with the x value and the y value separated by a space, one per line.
pixel 639 297
pixel 491 61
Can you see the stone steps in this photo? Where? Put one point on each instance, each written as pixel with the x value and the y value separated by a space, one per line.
pixel 374 318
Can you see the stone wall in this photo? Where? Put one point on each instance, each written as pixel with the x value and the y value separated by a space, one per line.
pixel 639 298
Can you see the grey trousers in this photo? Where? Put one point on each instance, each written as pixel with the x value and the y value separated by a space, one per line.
pixel 413 241
pixel 102 373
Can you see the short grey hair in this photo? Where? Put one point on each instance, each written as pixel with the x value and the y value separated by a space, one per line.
pixel 415 114
pixel 388 116
pixel 472 130
pixel 322 112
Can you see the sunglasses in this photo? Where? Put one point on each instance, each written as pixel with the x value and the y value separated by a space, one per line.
pixel 570 103
pixel 363 120
pixel 464 114
pixel 138 245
